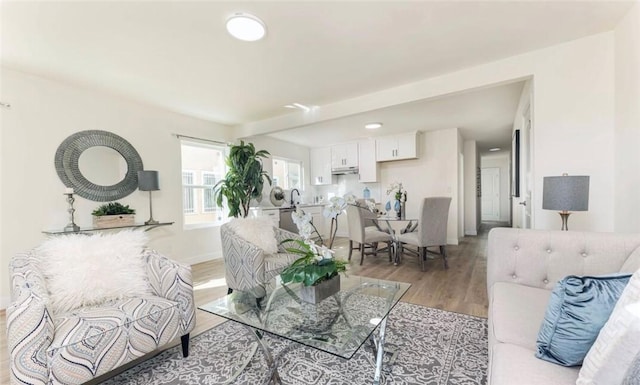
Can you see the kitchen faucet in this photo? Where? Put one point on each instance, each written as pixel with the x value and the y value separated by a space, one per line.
pixel 291 201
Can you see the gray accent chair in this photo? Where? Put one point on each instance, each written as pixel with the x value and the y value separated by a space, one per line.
pixel 249 268
pixel 363 235
pixel 431 230
pixel 77 346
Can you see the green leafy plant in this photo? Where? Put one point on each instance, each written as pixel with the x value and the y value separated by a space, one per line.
pixel 244 180
pixel 316 264
pixel 112 208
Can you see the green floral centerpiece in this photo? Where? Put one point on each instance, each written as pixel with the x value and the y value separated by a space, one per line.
pixel 316 269
pixel 113 214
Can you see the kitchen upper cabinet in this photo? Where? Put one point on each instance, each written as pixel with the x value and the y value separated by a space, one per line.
pixel 320 159
pixel 367 165
pixel 396 147
pixel 344 155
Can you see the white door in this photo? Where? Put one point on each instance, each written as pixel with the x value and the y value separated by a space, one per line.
pixel 525 169
pixel 490 182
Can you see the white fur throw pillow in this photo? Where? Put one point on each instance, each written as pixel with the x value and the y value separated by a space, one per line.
pixel 83 270
pixel 258 231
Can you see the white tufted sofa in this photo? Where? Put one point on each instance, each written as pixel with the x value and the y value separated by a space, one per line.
pixel 522 268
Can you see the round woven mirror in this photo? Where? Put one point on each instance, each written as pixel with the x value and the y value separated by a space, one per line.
pixel 67 162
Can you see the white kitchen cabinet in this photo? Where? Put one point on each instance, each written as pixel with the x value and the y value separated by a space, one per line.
pixel 344 156
pixel 397 147
pixel 271 213
pixel 320 159
pixel 367 165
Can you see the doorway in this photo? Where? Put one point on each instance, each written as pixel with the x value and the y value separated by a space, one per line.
pixel 490 203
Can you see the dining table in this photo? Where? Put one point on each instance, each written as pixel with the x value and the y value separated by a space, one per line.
pixel 395 243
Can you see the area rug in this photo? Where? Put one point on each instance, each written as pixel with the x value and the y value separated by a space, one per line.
pixel 433 347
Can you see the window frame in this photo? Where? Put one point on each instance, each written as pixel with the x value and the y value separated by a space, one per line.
pixel 219 212
pixel 287 161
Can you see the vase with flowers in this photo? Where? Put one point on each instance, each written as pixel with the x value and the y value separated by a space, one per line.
pixel 316 269
pixel 400 198
pixel 335 207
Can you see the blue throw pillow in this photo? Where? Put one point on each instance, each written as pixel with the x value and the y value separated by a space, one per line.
pixel 577 310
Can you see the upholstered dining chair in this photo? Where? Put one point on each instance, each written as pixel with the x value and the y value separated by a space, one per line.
pixel 363 235
pixel 431 230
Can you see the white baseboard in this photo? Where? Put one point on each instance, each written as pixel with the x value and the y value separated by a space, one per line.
pixel 4 302
pixel 453 241
pixel 471 232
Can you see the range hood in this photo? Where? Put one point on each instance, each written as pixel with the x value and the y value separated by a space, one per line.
pixel 344 170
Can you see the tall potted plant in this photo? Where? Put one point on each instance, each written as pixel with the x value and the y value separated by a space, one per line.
pixel 244 180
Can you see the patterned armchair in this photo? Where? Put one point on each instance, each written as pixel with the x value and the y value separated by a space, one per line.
pixel 76 346
pixel 248 267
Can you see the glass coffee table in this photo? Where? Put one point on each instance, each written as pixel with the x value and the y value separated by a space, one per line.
pixel 339 325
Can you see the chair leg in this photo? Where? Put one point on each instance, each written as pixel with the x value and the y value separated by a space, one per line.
pixel 229 291
pixel 375 248
pixel 389 247
pixel 443 251
pixel 350 248
pixel 185 345
pixel 361 253
pixel 422 254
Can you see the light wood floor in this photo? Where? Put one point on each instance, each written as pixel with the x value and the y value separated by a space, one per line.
pixel 461 288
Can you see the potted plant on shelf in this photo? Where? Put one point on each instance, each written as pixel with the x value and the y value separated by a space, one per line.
pixel 113 214
pixel 317 270
pixel 244 180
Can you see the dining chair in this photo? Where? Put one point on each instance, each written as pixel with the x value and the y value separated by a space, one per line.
pixel 364 236
pixel 431 230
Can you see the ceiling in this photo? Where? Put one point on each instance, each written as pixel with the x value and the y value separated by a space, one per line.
pixel 177 54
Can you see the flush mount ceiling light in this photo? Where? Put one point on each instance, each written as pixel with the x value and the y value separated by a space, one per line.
pixel 372 126
pixel 246 27
pixel 494 149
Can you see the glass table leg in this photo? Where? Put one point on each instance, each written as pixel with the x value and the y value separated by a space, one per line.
pixel 380 351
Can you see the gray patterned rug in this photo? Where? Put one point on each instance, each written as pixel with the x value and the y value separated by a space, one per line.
pixel 434 347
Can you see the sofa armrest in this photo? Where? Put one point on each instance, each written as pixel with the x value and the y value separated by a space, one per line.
pixel 30 328
pixel 173 281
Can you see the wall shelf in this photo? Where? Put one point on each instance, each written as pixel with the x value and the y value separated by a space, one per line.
pixel 91 229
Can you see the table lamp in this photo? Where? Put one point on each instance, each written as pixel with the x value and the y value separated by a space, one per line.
pixel 565 194
pixel 148 181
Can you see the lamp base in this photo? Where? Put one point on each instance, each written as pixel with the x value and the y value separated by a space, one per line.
pixel 565 219
pixel 151 221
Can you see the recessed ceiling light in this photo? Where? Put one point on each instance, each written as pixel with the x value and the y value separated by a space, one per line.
pixel 494 149
pixel 246 27
pixel 372 126
pixel 298 106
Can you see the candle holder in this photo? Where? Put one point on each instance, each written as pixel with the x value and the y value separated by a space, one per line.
pixel 71 226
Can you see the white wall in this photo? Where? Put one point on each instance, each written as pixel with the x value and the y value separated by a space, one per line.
pixel 627 119
pixel 573 87
pixel 434 173
pixel 471 201
pixel 43 114
pixel 502 163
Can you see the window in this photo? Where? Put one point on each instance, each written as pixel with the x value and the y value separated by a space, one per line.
pixel 287 173
pixel 203 165
pixel 187 192
pixel 208 181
